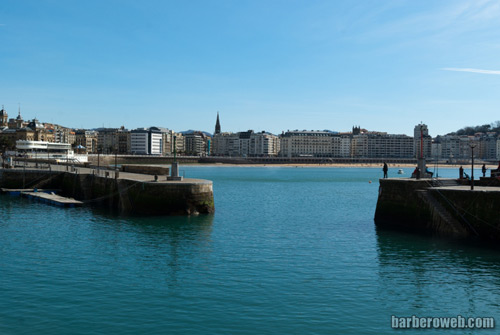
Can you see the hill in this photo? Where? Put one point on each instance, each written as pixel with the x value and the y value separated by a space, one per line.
pixel 492 127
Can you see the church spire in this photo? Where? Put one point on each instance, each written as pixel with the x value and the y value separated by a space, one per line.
pixel 19 113
pixel 217 125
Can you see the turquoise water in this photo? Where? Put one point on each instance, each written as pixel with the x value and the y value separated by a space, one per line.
pixel 288 251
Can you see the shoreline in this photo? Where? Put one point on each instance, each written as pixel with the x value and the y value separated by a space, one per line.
pixel 337 165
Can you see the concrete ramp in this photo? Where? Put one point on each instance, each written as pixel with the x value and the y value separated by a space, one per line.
pixel 52 199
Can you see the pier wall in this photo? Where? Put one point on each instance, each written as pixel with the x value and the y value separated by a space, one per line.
pixel 122 195
pixel 414 205
pixel 478 210
pixel 399 206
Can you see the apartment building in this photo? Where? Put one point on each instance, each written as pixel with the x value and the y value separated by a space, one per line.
pixel 87 139
pixel 307 143
pixel 245 144
pixel 146 141
pixel 390 146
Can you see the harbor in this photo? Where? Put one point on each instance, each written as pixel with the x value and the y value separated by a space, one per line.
pixel 276 230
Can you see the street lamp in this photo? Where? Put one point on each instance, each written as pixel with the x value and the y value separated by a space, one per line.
pixel 472 145
pixel 98 159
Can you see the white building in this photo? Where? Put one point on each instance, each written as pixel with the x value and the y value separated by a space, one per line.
pixel 146 141
pixel 307 143
pixel 48 150
pixel 390 146
pixel 245 144
pixel 358 144
pixel 195 144
pixel 456 147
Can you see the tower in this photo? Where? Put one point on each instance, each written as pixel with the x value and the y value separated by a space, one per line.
pixel 217 125
pixel 3 117
pixel 19 119
pixel 422 142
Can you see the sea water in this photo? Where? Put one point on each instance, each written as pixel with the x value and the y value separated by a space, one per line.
pixel 288 251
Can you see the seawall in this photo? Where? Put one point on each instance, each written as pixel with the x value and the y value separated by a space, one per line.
pixel 441 207
pixel 127 196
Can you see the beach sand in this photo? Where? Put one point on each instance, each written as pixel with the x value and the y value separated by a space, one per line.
pixel 343 165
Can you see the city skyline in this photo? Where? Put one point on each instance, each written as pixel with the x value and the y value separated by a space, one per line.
pixel 268 66
pixel 217 123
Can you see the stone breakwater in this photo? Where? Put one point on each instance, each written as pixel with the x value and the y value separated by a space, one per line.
pixel 439 206
pixel 130 194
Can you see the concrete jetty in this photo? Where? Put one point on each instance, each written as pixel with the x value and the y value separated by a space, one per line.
pixel 442 206
pixel 52 199
pixel 18 191
pixel 124 192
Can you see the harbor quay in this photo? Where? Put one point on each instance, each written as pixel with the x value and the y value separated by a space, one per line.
pixel 122 192
pixel 445 207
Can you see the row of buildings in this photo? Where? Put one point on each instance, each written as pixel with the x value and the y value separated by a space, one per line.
pixel 141 141
pixel 358 143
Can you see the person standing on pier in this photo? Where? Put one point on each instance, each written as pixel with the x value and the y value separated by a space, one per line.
pixel 461 172
pixel 385 169
pixel 484 170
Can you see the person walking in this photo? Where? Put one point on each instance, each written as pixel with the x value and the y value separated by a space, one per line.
pixel 385 169
pixel 484 170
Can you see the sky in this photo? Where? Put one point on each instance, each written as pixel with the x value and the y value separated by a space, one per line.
pixel 272 65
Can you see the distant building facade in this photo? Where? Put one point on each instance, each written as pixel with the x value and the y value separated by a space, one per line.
pixel 307 143
pixel 422 141
pixel 86 139
pixel 245 144
pixel 458 147
pixel 358 144
pixel 146 141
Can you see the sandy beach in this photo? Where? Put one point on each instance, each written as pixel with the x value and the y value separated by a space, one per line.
pixel 341 165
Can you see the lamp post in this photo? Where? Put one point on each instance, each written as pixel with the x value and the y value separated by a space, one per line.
pixel 421 142
pixel 472 146
pixel 175 149
pixel 116 159
pixel 48 156
pixel 98 159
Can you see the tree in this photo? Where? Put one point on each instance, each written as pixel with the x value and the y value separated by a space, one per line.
pixel 7 143
pixel 469 131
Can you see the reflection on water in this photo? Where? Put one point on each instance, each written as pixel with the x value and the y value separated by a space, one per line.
pixel 158 246
pixel 423 275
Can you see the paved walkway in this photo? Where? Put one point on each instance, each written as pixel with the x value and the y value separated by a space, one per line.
pixel 467 188
pixel 111 174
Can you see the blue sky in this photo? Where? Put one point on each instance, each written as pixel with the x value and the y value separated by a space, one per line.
pixel 264 65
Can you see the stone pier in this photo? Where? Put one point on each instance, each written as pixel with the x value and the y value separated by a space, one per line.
pixel 127 193
pixel 441 206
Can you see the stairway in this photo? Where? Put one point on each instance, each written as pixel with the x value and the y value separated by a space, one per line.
pixel 442 220
pixel 444 182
